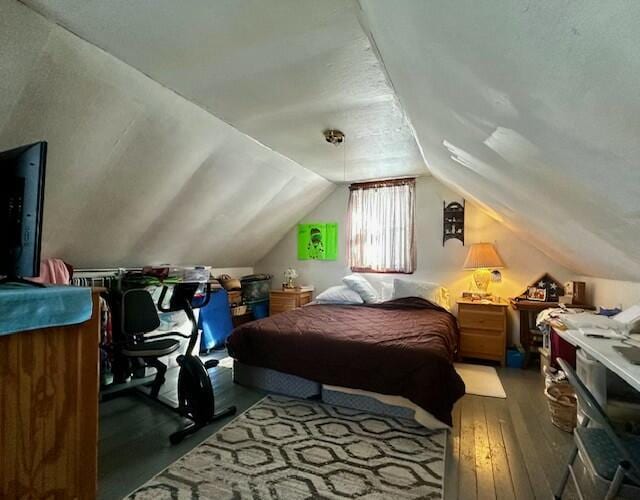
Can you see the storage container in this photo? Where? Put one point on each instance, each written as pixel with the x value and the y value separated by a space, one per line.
pixel 561 399
pixel 593 375
pixel 259 308
pixel 515 358
pixel 256 287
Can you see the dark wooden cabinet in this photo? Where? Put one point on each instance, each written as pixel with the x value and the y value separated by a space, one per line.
pixel 49 381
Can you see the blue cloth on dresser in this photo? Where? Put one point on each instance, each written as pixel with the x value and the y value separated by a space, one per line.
pixel 24 307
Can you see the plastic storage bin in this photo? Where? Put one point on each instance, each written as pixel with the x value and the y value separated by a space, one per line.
pixel 256 287
pixel 515 358
pixel 259 308
pixel 593 375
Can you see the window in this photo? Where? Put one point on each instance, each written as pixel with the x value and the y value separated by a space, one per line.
pixel 381 232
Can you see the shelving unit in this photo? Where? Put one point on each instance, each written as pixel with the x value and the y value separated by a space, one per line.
pixel 453 221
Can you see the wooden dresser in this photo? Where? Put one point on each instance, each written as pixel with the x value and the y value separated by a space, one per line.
pixel 49 380
pixel 483 330
pixel 287 299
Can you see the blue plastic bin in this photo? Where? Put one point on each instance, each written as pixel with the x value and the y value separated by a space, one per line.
pixel 215 322
pixel 515 358
pixel 259 308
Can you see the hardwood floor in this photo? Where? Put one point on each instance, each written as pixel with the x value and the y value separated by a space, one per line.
pixel 506 448
pixel 134 433
pixel 498 448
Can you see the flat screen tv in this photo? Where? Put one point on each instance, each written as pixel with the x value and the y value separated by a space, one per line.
pixel 21 202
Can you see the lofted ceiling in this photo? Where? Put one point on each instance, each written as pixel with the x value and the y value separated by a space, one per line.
pixel 281 71
pixel 135 171
pixel 531 109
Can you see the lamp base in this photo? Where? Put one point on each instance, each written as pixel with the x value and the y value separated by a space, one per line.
pixel 482 278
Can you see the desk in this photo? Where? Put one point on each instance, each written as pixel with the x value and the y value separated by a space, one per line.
pixel 528 311
pixel 602 350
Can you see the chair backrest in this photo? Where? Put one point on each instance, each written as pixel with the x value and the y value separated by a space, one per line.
pixel 139 313
pixel 594 412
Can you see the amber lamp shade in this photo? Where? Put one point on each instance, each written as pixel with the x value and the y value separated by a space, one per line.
pixel 482 257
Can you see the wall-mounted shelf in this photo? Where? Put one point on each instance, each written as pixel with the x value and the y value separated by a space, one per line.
pixel 453 221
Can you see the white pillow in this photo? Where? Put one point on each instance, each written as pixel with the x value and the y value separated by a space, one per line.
pixel 362 287
pixel 432 292
pixel 340 294
pixel 387 291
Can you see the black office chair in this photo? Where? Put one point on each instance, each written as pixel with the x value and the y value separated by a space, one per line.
pixel 139 317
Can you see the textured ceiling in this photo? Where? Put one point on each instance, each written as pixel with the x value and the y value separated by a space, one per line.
pixel 281 71
pixel 531 109
pixel 135 173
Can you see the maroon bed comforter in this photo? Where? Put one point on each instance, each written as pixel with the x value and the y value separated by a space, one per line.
pixel 403 347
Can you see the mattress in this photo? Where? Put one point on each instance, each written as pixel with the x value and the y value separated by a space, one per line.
pixel 404 347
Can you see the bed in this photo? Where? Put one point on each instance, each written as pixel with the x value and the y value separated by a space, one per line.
pixel 403 347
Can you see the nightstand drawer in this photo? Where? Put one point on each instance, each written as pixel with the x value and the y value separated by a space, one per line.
pixel 281 301
pixel 477 317
pixel 473 343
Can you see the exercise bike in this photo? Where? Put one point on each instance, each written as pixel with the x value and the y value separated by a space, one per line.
pixel 196 400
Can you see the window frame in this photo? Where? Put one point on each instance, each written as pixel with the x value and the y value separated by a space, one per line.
pixel 363 186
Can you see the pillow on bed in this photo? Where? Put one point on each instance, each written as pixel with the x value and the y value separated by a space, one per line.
pixel 432 292
pixel 340 294
pixel 386 292
pixel 362 287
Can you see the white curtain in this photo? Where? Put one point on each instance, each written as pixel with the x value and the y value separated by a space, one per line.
pixel 381 226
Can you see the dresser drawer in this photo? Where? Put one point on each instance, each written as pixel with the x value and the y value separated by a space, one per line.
pixel 475 343
pixel 281 301
pixel 479 317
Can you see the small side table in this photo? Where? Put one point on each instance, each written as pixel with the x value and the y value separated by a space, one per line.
pixel 483 329
pixel 287 299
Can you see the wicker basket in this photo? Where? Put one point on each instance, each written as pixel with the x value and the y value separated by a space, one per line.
pixel 563 406
pixel 238 310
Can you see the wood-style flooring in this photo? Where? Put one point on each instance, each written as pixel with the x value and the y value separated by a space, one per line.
pixel 506 448
pixel 498 448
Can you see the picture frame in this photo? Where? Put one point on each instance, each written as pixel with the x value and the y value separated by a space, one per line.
pixel 538 294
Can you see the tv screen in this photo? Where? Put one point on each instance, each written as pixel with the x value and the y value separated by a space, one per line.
pixel 21 202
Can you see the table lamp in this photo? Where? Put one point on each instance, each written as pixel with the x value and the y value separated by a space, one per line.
pixel 482 257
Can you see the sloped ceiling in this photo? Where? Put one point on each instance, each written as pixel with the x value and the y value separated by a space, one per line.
pixel 134 170
pixel 282 71
pixel 531 109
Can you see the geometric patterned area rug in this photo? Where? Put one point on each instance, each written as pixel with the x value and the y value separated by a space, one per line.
pixel 289 449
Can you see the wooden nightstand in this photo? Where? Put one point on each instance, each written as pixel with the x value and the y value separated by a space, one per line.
pixel 287 299
pixel 483 330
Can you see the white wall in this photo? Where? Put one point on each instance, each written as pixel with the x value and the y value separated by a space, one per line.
pixel 523 262
pixel 136 174
pixel 611 293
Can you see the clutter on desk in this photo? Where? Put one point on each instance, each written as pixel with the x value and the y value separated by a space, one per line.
pixel 602 311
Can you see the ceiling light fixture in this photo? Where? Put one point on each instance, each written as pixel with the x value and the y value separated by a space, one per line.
pixel 337 138
pixel 333 136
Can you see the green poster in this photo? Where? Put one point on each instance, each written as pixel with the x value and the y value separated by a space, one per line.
pixel 318 241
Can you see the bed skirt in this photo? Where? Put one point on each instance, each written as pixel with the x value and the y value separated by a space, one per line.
pixel 286 384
